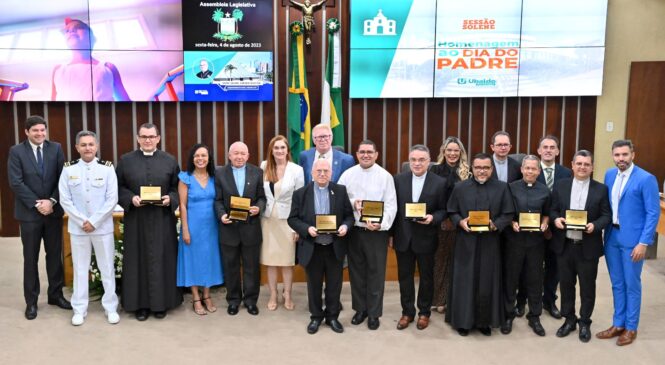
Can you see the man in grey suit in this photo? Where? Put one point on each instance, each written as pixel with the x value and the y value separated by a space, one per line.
pixel 240 241
pixel 34 168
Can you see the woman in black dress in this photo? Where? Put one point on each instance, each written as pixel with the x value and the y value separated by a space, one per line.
pixel 453 165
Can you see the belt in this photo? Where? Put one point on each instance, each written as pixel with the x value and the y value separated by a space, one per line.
pixel 616 226
pixel 574 242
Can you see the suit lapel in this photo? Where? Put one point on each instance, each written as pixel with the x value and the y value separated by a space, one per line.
pixel 409 187
pixel 587 205
pixel 629 183
pixel 422 192
pixel 31 157
pixel 232 180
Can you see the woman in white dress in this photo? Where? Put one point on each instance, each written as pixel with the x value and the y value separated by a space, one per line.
pixel 280 179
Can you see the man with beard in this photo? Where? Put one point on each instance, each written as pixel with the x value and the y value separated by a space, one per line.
pixel 475 297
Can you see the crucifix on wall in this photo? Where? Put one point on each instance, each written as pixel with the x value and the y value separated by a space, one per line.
pixel 307 9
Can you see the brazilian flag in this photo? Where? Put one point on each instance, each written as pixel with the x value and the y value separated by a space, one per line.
pixel 298 116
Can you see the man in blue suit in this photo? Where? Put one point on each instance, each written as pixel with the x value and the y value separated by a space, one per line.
pixel 340 161
pixel 633 193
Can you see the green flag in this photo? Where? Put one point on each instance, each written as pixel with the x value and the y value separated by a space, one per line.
pixel 331 99
pixel 298 116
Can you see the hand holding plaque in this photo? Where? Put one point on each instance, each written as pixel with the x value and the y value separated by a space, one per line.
pixel 529 222
pixel 479 220
pixel 151 195
pixel 326 224
pixel 415 211
pixel 576 220
pixel 239 209
pixel 372 211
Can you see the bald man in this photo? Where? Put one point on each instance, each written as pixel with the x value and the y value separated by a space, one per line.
pixel 240 240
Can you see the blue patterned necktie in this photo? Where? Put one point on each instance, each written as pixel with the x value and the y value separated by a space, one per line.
pixel 40 160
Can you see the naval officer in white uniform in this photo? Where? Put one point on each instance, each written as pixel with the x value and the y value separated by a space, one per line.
pixel 88 194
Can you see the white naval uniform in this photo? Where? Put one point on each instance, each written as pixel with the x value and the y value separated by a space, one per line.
pixel 89 192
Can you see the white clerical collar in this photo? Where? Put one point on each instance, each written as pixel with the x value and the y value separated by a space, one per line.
pixel 322 187
pixel 421 177
pixel 148 153
pixel 582 182
pixel 480 182
pixel 500 162
pixel 367 170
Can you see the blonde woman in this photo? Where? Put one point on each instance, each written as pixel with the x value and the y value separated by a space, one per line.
pixel 281 178
pixel 454 166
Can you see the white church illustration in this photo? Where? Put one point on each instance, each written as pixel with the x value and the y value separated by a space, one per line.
pixel 380 25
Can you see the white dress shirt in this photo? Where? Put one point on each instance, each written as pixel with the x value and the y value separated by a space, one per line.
pixel 617 190
pixel 374 183
pixel 578 195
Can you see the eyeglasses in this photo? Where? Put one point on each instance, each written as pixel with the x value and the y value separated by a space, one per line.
pixel 502 145
pixel 363 152
pixel 145 138
pixel 323 137
pixel 482 168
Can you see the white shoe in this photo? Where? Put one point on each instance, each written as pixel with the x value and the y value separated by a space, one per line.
pixel 78 319
pixel 113 317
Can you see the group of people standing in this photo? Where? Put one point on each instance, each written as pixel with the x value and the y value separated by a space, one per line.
pixel 464 223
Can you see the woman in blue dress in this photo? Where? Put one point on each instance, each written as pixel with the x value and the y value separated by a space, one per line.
pixel 199 261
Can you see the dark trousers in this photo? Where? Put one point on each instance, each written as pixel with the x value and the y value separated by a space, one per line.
pixel 324 265
pixel 367 270
pixel 50 230
pixel 551 277
pixel 523 264
pixel 232 257
pixel 406 267
pixel 573 265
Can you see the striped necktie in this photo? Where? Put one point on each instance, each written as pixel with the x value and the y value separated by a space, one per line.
pixel 549 177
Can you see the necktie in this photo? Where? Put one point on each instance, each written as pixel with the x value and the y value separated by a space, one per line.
pixel 549 177
pixel 616 196
pixel 40 160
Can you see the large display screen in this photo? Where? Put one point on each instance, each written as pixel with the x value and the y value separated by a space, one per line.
pixel 455 48
pixel 141 50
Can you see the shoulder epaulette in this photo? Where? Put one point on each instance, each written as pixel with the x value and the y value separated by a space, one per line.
pixel 105 163
pixel 72 162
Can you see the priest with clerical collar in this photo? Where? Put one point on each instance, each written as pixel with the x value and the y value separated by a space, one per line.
pixel 477 257
pixel 150 237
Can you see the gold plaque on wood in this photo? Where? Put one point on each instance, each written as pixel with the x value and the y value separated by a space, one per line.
pixel 479 220
pixel 372 211
pixel 529 222
pixel 239 208
pixel 326 223
pixel 415 211
pixel 151 195
pixel 576 220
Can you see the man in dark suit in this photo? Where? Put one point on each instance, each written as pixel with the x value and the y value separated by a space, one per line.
pixel 415 241
pixel 504 168
pixel 34 169
pixel 551 172
pixel 322 137
pixel 240 241
pixel 635 211
pixel 321 254
pixel 578 251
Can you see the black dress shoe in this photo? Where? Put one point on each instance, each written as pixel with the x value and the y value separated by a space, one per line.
pixel 537 327
pixel 313 326
pixel 507 326
pixel 232 309
pixel 519 310
pixel 60 302
pixel 373 323
pixel 31 311
pixel 358 318
pixel 485 331
pixel 335 325
pixel 585 333
pixel 252 309
pixel 160 314
pixel 552 310
pixel 566 329
pixel 142 314
pixel 463 332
